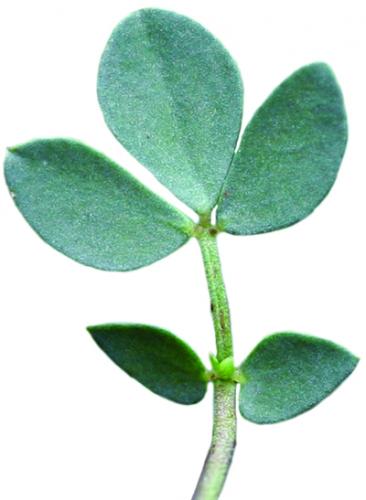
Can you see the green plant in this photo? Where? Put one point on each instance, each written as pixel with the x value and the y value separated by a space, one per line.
pixel 172 96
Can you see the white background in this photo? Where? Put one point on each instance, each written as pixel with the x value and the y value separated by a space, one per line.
pixel 73 426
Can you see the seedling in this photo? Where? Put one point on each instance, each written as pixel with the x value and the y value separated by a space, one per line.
pixel 172 95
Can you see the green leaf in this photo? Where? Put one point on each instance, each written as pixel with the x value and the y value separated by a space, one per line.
pixel 227 368
pixel 287 374
pixel 289 155
pixel 215 363
pixel 89 208
pixel 172 95
pixel 156 358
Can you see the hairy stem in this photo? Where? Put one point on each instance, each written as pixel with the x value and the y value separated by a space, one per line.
pixel 219 303
pixel 223 442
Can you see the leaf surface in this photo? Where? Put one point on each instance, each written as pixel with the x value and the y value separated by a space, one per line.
pixel 289 155
pixel 156 358
pixel 288 373
pixel 89 208
pixel 172 95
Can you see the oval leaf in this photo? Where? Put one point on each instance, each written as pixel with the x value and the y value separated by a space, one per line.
pixel 172 95
pixel 287 374
pixel 289 155
pixel 156 358
pixel 89 208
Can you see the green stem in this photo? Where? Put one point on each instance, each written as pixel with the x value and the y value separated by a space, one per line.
pixel 223 442
pixel 219 303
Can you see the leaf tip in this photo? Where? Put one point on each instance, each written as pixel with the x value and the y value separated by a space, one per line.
pixel 214 361
pixel 355 359
pixel 11 151
pixel 91 329
pixel 317 66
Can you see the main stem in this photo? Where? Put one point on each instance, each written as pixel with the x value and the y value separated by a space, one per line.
pixel 223 442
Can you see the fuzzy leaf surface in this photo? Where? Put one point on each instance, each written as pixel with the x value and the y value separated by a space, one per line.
pixel 172 95
pixel 288 373
pixel 289 155
pixel 89 208
pixel 156 358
